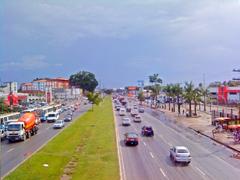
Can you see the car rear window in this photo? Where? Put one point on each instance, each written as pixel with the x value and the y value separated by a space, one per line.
pixel 182 151
pixel 132 135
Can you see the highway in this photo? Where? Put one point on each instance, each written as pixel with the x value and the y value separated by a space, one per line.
pixel 14 153
pixel 150 159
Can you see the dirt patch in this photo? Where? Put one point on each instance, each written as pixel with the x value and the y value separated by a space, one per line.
pixel 70 167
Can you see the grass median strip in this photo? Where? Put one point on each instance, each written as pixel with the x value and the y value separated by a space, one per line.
pixel 84 150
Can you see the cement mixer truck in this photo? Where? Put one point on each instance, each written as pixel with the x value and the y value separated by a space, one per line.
pixel 23 128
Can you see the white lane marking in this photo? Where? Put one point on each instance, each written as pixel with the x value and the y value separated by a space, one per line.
pixel 179 134
pixel 135 129
pixel 10 150
pixel 48 127
pixel 163 173
pixel 151 154
pixel 170 144
pixel 144 143
pixel 200 171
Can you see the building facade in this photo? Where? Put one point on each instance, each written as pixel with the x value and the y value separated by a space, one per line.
pixel 225 94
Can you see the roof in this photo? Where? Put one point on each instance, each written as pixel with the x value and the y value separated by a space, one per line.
pixel 27 84
pixel 181 147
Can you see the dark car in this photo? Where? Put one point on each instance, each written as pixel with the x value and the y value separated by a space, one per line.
pixel 131 139
pixel 147 131
pixel 128 109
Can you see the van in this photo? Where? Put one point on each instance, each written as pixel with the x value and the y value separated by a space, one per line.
pixel 52 116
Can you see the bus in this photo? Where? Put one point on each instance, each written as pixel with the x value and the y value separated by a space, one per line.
pixel 6 118
pixel 44 111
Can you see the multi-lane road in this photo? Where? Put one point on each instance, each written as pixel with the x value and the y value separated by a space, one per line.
pixel 14 153
pixel 150 159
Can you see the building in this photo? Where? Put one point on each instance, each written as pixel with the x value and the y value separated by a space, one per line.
pixel 44 84
pixel 65 94
pixel 8 87
pixel 35 96
pixel 225 94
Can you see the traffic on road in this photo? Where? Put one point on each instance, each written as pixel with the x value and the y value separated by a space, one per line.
pixel 155 148
pixel 22 134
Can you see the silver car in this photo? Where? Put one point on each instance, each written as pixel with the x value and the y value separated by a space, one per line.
pixel 126 122
pixel 180 154
pixel 58 124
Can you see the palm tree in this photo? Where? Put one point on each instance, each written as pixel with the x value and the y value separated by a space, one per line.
pixel 196 98
pixel 169 93
pixel 177 91
pixel 155 80
pixel 204 93
pixel 189 95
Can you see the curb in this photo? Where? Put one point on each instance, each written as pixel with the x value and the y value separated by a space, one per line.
pixel 219 142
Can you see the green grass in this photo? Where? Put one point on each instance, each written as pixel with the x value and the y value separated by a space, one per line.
pixel 84 150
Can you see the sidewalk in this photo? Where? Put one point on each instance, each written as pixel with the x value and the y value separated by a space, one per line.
pixel 202 124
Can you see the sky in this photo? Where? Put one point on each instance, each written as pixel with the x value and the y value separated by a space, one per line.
pixel 121 42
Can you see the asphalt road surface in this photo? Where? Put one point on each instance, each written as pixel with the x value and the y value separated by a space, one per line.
pixel 14 153
pixel 150 159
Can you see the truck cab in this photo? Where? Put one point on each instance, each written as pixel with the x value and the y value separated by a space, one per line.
pixel 16 131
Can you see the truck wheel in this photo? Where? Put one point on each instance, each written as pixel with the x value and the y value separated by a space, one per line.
pixel 27 135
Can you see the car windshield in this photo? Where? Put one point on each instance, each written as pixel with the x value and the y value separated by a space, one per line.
pixel 182 151
pixel 51 115
pixel 58 122
pixel 14 127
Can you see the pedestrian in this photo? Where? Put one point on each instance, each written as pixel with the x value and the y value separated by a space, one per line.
pixel 183 111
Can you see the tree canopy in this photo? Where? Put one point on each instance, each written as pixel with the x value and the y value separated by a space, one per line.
pixel 84 80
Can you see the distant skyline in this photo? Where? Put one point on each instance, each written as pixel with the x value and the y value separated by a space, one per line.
pixel 121 42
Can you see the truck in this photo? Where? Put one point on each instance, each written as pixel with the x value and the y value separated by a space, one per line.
pixel 23 128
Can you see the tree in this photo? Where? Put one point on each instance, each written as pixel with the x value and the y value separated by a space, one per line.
pixel 169 94
pixel 177 92
pixel 155 81
pixel 196 98
pixel 94 98
pixel 204 93
pixel 189 95
pixel 141 97
pixel 84 80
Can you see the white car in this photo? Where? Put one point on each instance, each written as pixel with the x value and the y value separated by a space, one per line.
pixel 126 122
pixel 122 112
pixel 137 119
pixel 58 124
pixel 180 154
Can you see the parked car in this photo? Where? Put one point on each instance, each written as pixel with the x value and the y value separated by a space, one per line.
pixel 147 131
pixel 126 121
pixel 58 124
pixel 141 110
pixel 180 154
pixel 131 138
pixel 137 119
